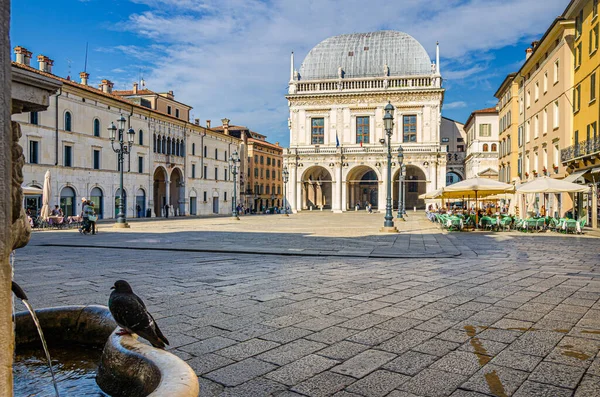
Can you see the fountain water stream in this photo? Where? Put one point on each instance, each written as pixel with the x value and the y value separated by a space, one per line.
pixel 18 291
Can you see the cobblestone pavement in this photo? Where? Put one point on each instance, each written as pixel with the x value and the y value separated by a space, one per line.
pixel 504 314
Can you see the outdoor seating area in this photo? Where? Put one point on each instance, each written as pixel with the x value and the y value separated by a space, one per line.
pixel 505 223
pixel 55 222
pixel 504 218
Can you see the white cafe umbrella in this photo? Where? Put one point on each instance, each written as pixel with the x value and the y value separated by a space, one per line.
pixel 479 187
pixel 551 185
pixel 31 191
pixel 46 193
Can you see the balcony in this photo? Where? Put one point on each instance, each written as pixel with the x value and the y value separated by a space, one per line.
pixel 365 84
pixel 367 149
pixel 169 159
pixel 580 150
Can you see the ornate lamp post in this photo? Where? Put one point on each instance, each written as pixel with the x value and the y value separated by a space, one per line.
pixel 388 125
pixel 124 148
pixel 286 176
pixel 234 165
pixel 401 183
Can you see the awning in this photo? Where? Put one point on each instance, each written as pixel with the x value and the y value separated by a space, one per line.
pixel 574 176
pixel 595 170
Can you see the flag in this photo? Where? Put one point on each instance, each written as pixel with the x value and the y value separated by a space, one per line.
pixel 337 141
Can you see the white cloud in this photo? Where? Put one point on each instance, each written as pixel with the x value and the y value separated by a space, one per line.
pixel 230 58
pixel 454 105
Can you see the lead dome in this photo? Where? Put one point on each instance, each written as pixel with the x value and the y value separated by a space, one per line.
pixel 365 55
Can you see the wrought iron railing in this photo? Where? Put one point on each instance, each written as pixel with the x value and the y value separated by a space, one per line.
pixel 581 149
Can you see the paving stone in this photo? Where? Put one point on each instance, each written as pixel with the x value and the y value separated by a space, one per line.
pixel 400 324
pixel 405 341
pixel 487 347
pixel 534 389
pixel 589 386
pixel 247 349
pixel 364 363
pixel 499 335
pixel 467 393
pixel 365 321
pixel 301 369
pixel 516 360
pixel 400 393
pixel 410 363
pixel 208 362
pixel 557 374
pixel 436 347
pixel 292 351
pixel 209 388
pixel 343 350
pixel 320 323
pixel 240 372
pixel 255 387
pixel 495 380
pixel 286 335
pixel 331 335
pixel 378 383
pixel 458 362
pixel 324 384
pixel 208 345
pixel 433 383
pixel 372 336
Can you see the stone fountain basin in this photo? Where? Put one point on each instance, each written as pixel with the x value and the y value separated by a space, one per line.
pixel 128 367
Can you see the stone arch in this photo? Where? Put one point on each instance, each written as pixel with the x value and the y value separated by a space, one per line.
pixel 68 200
pixel 97 197
pixel 416 184
pixel 160 190
pixel 140 199
pixel 362 184
pixel 316 188
pixel 177 191
pixel 453 176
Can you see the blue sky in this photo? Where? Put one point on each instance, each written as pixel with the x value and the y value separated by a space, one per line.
pixel 230 58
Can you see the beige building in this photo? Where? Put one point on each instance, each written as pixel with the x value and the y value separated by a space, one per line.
pixel 71 140
pixel 545 108
pixel 482 144
pixel 508 129
pixel 338 156
pixel 453 136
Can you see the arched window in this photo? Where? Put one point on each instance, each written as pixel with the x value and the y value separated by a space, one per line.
pixel 141 138
pixel 176 151
pixel 168 145
pixel 164 145
pixel 494 147
pixel 172 146
pixel 182 149
pixel 485 147
pixel 193 149
pixel 68 121
pixel 154 141
pixel 96 127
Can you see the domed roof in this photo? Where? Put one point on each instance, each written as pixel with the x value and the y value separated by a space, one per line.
pixel 365 55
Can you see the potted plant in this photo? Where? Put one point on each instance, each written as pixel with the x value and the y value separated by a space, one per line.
pixel 534 172
pixel 555 167
pixel 527 175
pixel 545 171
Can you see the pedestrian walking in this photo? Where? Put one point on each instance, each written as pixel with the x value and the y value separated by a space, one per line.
pixel 139 210
pixel 167 211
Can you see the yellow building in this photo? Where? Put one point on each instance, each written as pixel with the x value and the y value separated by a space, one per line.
pixel 508 108
pixel 582 155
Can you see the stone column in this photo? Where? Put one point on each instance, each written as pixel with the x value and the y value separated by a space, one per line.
pixel 338 205
pixel 292 187
pixel 167 197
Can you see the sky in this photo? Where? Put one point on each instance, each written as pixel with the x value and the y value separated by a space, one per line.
pixel 231 58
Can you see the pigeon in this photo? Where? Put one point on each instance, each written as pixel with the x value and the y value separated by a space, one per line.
pixel 131 315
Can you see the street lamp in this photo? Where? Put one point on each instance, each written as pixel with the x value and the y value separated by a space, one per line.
pixel 401 183
pixel 388 125
pixel 234 165
pixel 286 176
pixel 123 149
